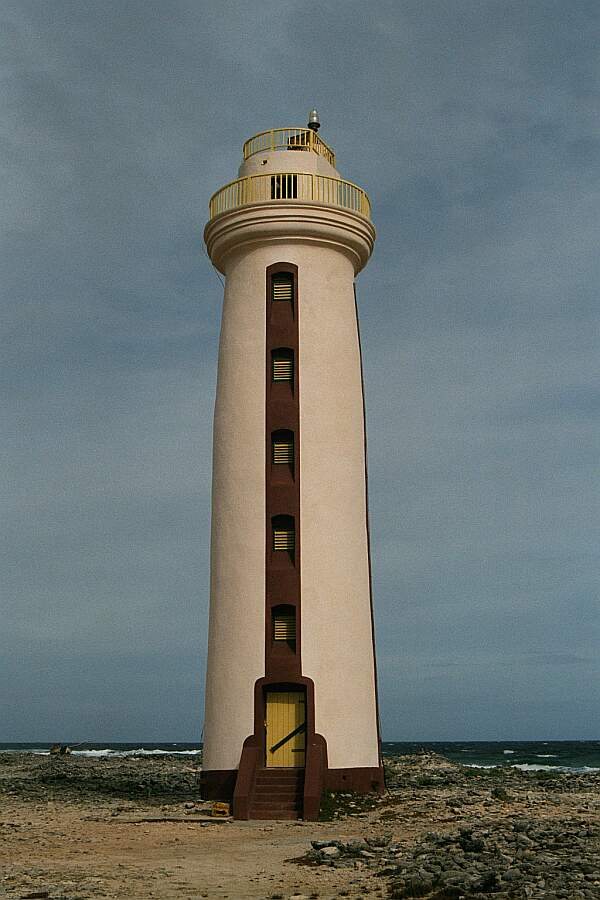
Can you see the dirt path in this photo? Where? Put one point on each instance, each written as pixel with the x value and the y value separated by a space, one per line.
pixel 57 848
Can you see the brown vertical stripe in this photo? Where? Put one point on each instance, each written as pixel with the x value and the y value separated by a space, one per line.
pixel 282 483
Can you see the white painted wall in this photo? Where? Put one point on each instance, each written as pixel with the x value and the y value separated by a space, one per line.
pixel 268 161
pixel 337 650
pixel 237 604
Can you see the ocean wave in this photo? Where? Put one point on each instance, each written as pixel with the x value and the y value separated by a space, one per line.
pixel 34 750
pixel 133 753
pixel 535 767
pixel 508 751
pixel 547 755
pixel 107 752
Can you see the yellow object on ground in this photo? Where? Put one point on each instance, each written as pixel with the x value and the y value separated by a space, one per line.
pixel 220 810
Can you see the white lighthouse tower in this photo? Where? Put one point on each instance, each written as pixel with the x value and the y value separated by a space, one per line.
pixel 291 696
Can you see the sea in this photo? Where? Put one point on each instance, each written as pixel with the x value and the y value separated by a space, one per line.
pixel 528 756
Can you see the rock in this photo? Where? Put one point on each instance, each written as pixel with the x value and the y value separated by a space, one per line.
pixel 382 840
pixel 487 882
pixel 330 852
pixel 353 848
pixel 412 887
pixel 498 793
pixel 469 843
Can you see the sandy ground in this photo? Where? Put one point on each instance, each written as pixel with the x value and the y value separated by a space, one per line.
pixel 58 849
pixel 64 840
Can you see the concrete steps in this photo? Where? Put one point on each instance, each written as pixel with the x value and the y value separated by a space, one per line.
pixel 277 794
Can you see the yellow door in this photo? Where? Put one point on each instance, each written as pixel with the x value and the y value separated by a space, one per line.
pixel 286 729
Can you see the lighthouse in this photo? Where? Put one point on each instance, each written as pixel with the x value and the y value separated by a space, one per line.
pixel 291 694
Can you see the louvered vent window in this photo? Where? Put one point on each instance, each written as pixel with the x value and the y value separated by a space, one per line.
pixel 284 533
pixel 284 627
pixel 284 539
pixel 283 448
pixel 283 365
pixel 282 286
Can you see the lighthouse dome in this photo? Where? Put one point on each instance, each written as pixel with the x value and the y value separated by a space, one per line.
pixel 288 150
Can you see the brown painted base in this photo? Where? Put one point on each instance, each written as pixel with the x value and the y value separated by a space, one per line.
pixel 218 784
pixel 359 780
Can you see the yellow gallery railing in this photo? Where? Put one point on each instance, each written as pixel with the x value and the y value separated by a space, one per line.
pixel 288 139
pixel 299 186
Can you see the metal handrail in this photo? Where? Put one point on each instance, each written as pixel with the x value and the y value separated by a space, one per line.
pixel 290 186
pixel 288 139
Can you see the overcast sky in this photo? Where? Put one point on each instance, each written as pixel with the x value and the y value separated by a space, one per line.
pixel 474 126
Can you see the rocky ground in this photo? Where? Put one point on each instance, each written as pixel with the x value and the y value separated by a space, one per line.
pixel 74 828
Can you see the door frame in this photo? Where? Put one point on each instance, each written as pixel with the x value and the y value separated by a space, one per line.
pixel 261 687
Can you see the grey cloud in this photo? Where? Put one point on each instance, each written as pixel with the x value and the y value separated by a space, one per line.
pixel 560 659
pixel 474 128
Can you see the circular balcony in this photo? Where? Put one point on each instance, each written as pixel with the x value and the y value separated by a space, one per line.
pixel 288 139
pixel 290 187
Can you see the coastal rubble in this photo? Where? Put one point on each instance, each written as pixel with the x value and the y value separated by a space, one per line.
pixel 134 828
pixel 525 858
pixel 518 835
pixel 73 777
